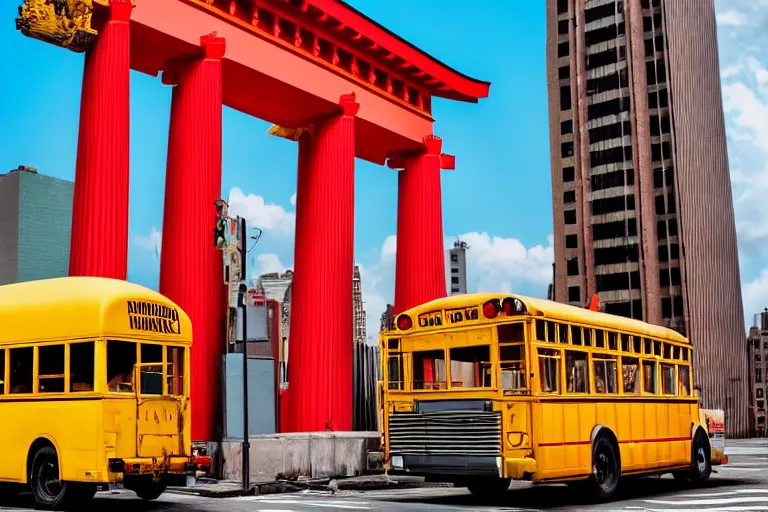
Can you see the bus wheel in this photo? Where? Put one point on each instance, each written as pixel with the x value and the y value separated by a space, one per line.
pixel 145 488
pixel 49 492
pixel 489 487
pixel 701 463
pixel 605 469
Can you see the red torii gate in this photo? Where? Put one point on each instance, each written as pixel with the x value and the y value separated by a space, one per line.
pixel 335 81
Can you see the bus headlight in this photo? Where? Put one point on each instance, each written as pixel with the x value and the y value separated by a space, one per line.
pixel 397 461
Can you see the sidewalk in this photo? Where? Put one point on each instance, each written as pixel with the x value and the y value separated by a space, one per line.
pixel 230 489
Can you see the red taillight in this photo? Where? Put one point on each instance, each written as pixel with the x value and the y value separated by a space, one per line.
pixel 491 309
pixel 404 322
pixel 512 306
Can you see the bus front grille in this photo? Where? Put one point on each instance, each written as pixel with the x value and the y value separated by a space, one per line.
pixel 472 433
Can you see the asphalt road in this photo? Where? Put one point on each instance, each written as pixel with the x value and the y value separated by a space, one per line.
pixel 741 485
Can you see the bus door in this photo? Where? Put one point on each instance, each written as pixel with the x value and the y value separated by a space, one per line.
pixel 159 421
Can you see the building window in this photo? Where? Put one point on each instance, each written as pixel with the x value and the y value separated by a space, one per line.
pixel 562 27
pixel 569 216
pixel 574 294
pixel 565 97
pixel 569 174
pixel 562 49
pixel 573 267
pixel 566 127
pixel 564 72
pixel 571 242
pixel 566 149
pixel 562 6
pixel 569 196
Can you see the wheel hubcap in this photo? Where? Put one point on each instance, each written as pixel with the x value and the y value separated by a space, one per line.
pixel 701 460
pixel 48 478
pixel 602 468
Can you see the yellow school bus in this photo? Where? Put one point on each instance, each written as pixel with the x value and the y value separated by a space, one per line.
pixel 481 389
pixel 94 389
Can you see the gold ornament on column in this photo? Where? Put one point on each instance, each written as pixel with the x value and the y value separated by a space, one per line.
pixel 64 23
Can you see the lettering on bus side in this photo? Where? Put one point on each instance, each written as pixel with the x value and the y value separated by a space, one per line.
pixel 150 317
pixel 456 316
pixel 431 320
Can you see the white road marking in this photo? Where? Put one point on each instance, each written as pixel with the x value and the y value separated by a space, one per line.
pixel 718 509
pixel 724 493
pixel 723 501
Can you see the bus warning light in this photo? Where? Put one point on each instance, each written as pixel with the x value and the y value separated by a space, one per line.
pixel 404 322
pixel 491 308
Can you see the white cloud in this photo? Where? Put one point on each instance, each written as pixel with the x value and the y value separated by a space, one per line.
pixel 267 263
pixel 258 214
pixel 755 295
pixel 293 199
pixel 731 17
pixel 748 113
pixel 152 242
pixel 497 264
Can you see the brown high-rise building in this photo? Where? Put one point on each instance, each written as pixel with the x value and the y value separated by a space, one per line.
pixel 643 211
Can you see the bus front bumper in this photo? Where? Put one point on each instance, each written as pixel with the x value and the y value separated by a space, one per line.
pixel 120 468
pixel 517 468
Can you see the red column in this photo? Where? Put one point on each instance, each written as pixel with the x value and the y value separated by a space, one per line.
pixel 190 265
pixel 320 355
pixel 420 258
pixel 99 243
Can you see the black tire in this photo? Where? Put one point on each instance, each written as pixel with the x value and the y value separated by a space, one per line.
pixel 49 492
pixel 145 488
pixel 489 487
pixel 606 470
pixel 701 458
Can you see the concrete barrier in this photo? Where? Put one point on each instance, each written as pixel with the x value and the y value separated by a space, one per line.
pixel 296 455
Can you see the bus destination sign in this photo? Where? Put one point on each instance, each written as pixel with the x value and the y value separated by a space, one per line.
pixel 150 317
pixel 434 319
pixel 457 316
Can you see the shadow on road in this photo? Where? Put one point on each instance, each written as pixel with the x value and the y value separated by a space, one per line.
pixel 559 495
pixel 100 503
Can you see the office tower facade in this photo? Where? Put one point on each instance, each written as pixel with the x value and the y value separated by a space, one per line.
pixel 458 264
pixel 358 309
pixel 643 210
pixel 35 225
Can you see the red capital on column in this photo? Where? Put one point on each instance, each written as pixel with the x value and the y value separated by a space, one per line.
pixel 99 243
pixel 420 257
pixel 190 265
pixel 320 360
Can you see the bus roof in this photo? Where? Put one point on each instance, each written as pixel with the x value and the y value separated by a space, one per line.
pixel 70 308
pixel 554 311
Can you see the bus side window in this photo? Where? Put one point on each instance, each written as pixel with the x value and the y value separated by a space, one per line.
pixel 668 386
pixel 649 377
pixel 50 369
pixel 563 328
pixel 512 361
pixel 612 340
pixel 549 370
pixel 605 374
pixel 175 360
pixel 395 371
pixel 21 369
pixel 81 366
pixel 121 359
pixel 599 338
pixel 2 372
pixel 629 370
pixel 577 372
pixel 151 376
pixel 684 380
pixel 509 333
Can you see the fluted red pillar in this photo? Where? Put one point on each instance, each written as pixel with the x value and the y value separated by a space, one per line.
pixel 190 265
pixel 99 243
pixel 320 360
pixel 420 257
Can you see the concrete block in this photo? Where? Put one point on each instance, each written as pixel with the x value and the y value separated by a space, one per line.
pixel 296 455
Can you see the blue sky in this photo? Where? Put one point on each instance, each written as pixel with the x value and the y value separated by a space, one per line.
pixel 498 198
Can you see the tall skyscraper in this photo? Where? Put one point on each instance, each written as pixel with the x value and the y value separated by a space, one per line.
pixel 358 311
pixel 757 350
pixel 643 211
pixel 459 267
pixel 35 224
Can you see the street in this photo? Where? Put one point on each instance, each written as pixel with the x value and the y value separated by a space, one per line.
pixel 741 485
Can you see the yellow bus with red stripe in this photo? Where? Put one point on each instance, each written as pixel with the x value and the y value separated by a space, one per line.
pixel 480 389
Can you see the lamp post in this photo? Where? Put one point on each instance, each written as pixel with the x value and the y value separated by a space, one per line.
pixel 241 302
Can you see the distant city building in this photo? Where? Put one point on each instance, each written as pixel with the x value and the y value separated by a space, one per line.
pixel 358 311
pixel 641 191
pixel 757 350
pixel 388 318
pixel 459 268
pixel 35 225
